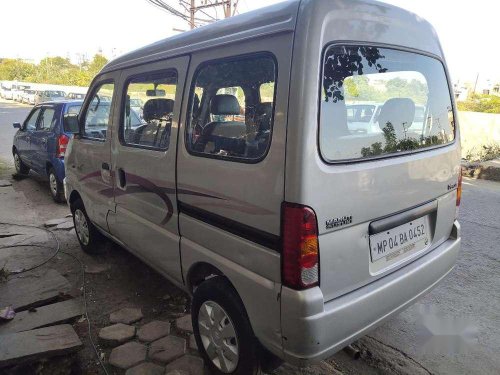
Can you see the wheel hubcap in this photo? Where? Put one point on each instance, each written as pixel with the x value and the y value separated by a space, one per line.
pixel 218 336
pixel 53 184
pixel 81 227
pixel 17 162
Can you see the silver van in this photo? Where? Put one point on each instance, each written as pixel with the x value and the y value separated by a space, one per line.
pixel 242 183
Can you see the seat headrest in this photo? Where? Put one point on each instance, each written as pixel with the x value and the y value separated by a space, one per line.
pixel 224 105
pixel 157 109
pixel 400 112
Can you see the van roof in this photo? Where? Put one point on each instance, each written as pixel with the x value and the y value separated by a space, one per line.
pixel 282 17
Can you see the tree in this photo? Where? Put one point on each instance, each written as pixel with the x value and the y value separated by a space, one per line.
pixel 55 70
pixel 15 70
pixel 96 65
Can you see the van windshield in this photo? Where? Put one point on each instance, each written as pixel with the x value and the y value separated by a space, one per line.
pixel 380 101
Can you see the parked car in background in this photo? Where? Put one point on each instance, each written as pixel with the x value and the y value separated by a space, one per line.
pixel 137 106
pixel 75 96
pixel 49 96
pixel 362 117
pixel 40 143
pixel 6 90
pixel 28 96
pixel 18 91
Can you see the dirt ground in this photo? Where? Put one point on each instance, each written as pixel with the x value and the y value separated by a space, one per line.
pixel 115 279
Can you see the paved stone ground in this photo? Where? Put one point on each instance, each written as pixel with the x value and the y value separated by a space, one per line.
pixel 116 334
pixel 126 315
pixel 158 352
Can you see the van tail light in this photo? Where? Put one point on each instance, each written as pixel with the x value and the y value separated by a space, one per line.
pixel 62 144
pixel 459 193
pixel 300 249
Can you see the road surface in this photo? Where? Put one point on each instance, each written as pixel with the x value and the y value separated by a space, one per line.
pixel 10 112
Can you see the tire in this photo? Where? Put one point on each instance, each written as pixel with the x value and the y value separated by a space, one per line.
pixel 21 168
pixel 216 298
pixel 56 187
pixel 90 239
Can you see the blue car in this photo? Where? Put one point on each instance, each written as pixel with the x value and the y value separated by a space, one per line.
pixel 41 141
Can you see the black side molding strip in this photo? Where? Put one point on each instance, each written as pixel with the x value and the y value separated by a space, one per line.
pixel 403 217
pixel 258 236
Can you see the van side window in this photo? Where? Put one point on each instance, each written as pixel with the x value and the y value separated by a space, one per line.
pixel 231 112
pixel 47 119
pixel 148 112
pixel 98 115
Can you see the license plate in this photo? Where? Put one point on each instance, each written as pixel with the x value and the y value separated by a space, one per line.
pixel 393 243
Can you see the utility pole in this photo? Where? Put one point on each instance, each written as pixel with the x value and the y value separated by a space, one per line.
pixel 227 5
pixel 475 84
pixel 190 9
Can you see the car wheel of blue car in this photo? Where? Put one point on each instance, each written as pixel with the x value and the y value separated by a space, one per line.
pixel 56 187
pixel 21 168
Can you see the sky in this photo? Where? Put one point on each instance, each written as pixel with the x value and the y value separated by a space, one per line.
pixel 34 29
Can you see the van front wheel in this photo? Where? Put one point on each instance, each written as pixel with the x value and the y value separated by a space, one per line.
pixel 222 330
pixel 90 239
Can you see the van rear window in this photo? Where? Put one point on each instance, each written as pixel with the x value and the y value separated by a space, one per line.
pixel 377 102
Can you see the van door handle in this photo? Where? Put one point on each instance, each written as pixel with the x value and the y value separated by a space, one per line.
pixel 105 166
pixel 121 178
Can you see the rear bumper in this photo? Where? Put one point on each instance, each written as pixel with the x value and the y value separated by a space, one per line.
pixel 313 330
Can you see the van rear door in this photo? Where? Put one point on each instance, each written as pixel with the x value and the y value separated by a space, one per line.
pixel 384 194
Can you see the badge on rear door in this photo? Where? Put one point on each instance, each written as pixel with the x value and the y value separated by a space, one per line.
pixel 338 222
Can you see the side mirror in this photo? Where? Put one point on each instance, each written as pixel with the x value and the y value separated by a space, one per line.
pixel 70 123
pixel 16 125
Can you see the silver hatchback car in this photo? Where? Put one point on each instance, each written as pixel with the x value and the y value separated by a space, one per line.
pixel 244 184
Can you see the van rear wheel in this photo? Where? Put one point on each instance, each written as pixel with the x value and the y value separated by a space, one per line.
pixel 222 330
pixel 90 239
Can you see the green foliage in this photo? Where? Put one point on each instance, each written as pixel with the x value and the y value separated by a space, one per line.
pixel 480 103
pixel 392 144
pixel 11 69
pixel 54 70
